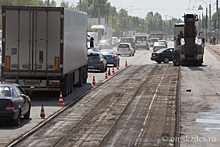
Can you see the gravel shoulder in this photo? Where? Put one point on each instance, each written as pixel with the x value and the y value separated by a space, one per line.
pixel 200 86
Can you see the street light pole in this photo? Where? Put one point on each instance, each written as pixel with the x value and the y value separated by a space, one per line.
pixel 210 23
pixel 48 3
pixel 99 9
pixel 206 21
pixel 206 24
pixel 80 5
pixel 217 21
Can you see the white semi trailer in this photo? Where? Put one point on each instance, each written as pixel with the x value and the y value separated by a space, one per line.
pixel 44 48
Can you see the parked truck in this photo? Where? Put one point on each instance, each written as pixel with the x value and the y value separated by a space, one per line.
pixel 44 48
pixel 156 34
pixel 188 45
pixel 104 31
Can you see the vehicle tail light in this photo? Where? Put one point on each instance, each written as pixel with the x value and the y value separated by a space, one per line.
pixel 158 54
pixel 10 106
pixel 54 84
pixel 113 56
pixel 101 61
pixel 128 48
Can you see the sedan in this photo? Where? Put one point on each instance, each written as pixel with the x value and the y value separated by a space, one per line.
pixel 97 61
pixel 158 45
pixel 125 49
pixel 14 103
pixel 163 55
pixel 111 56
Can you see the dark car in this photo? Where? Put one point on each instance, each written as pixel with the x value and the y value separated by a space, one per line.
pixel 162 55
pixel 97 61
pixel 111 56
pixel 14 103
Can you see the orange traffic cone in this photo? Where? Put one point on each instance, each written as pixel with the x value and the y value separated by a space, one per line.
pixel 109 72
pixel 117 67
pixel 106 75
pixel 126 63
pixel 93 81
pixel 113 71
pixel 60 102
pixel 42 114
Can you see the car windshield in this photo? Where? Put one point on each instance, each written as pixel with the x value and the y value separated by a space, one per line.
pixel 106 51
pixel 123 46
pixel 93 49
pixel 5 91
pixel 159 43
pixel 161 50
pixel 140 38
pixel 154 40
pixel 90 57
pixel 127 39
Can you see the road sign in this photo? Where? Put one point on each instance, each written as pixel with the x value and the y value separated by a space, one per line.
pixel 200 7
pixel 217 26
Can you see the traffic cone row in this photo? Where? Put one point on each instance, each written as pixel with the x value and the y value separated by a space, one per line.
pixel 93 81
pixel 42 113
pixel 60 102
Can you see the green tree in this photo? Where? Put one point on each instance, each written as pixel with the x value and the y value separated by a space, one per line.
pixel 40 3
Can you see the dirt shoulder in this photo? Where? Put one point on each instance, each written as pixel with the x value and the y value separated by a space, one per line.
pixel 214 50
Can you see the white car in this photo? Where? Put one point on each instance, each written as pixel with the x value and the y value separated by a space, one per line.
pixel 125 49
pixel 158 45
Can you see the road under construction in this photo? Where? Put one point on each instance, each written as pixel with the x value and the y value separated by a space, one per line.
pixel 137 107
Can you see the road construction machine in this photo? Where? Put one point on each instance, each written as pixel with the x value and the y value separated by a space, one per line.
pixel 188 46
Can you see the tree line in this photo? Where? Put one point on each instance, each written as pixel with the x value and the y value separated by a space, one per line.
pixel 117 18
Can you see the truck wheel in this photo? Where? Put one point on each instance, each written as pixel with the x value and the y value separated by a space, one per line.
pixel 65 87
pixel 80 83
pixel 85 74
pixel 71 83
pixel 166 60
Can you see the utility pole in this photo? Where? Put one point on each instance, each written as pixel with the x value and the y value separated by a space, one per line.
pixel 206 24
pixel 48 3
pixel 80 5
pixel 210 23
pixel 217 21
pixel 99 9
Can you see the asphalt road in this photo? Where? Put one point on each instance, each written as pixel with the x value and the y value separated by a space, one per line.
pixel 199 101
pixel 50 99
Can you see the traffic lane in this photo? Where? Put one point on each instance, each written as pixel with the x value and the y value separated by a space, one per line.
pixel 50 99
pixel 141 57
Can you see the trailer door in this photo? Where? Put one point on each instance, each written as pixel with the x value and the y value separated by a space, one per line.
pixel 46 40
pixel 32 40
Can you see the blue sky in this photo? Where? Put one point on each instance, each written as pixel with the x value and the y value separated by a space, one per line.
pixel 167 8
